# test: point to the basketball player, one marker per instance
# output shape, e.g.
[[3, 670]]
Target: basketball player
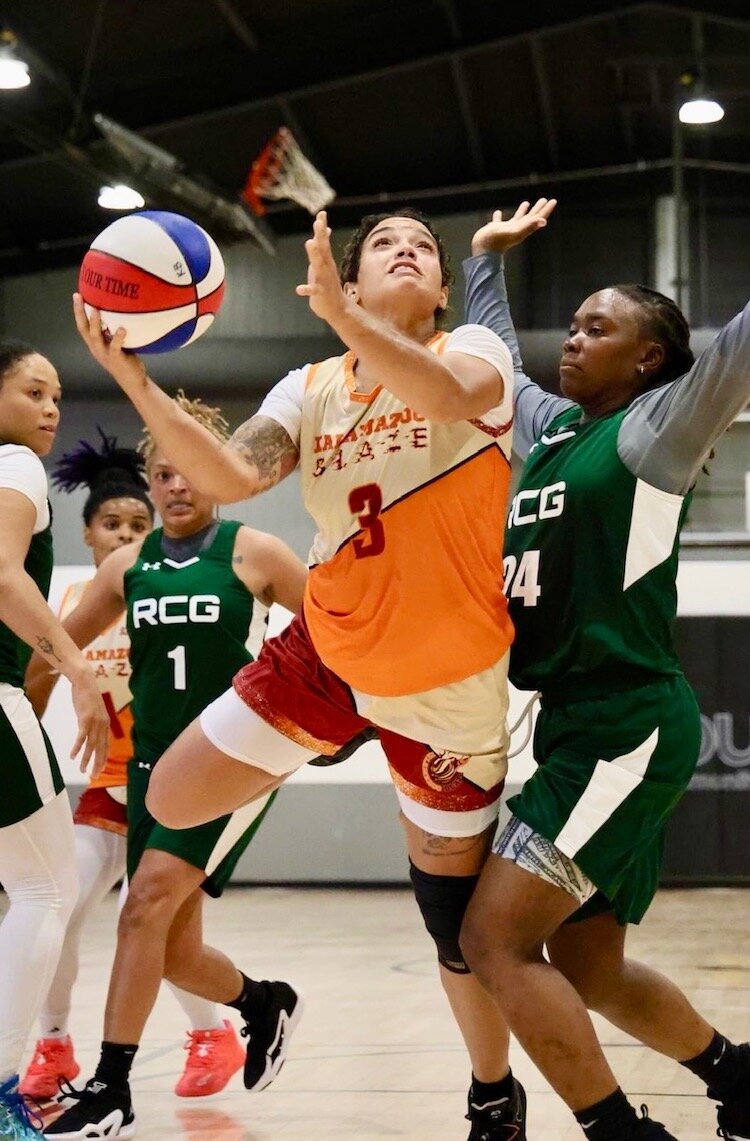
[[403, 445], [117, 511], [591, 553], [37, 853], [189, 593]]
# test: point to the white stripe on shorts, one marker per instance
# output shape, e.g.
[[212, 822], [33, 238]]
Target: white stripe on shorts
[[611, 783], [237, 824], [17, 708]]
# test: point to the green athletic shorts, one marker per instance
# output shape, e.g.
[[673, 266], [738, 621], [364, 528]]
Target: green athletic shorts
[[611, 771], [214, 848]]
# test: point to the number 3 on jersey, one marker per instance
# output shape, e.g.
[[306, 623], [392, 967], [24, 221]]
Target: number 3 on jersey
[[522, 578], [366, 503]]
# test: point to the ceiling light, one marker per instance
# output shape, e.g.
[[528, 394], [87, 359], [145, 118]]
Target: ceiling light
[[14, 72], [701, 110], [120, 197]]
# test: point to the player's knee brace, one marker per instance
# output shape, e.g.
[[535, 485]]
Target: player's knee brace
[[443, 901]]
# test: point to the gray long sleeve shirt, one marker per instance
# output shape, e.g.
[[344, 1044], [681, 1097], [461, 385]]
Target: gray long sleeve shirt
[[668, 432]]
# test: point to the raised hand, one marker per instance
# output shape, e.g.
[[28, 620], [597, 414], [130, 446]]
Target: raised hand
[[323, 289], [498, 236], [126, 368]]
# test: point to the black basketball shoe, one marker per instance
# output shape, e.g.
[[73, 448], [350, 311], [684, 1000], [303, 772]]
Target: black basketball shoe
[[644, 1129], [734, 1111], [268, 1031], [503, 1120], [97, 1110]]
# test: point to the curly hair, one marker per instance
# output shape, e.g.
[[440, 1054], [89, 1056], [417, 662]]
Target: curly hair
[[209, 417], [350, 259]]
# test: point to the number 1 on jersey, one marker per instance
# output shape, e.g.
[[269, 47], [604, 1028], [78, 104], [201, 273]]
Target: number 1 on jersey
[[180, 667]]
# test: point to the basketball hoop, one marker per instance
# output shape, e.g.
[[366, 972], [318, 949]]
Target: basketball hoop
[[282, 171]]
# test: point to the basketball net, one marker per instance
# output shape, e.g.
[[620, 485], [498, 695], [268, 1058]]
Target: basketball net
[[282, 171]]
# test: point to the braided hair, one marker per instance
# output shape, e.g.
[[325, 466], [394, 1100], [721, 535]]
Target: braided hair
[[111, 472], [664, 321]]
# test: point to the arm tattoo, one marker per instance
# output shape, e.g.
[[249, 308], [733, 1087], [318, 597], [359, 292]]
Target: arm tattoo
[[45, 647], [265, 445]]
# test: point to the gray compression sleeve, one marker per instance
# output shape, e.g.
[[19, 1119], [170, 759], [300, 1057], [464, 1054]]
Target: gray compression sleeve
[[668, 433], [487, 304]]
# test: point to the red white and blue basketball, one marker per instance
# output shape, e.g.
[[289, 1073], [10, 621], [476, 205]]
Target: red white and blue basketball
[[157, 275]]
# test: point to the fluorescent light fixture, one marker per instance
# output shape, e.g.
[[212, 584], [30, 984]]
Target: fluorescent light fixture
[[701, 110], [14, 72], [120, 197]]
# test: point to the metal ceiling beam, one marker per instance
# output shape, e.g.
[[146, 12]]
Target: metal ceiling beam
[[239, 25], [473, 140], [624, 115], [550, 179], [463, 53], [545, 99], [451, 15]]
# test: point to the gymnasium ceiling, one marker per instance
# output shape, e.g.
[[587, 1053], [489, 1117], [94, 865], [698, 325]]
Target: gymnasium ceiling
[[451, 104]]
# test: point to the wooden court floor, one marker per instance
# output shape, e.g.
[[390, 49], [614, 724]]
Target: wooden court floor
[[376, 1054]]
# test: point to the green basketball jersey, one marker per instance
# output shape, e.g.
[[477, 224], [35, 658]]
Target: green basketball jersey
[[14, 653], [188, 623], [590, 565]]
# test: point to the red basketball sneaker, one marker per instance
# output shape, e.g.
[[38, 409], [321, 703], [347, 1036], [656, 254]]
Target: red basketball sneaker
[[53, 1060], [213, 1057]]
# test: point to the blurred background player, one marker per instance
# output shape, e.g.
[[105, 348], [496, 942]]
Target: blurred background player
[[116, 512], [188, 590], [37, 851]]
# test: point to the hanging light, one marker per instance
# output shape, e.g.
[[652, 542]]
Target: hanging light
[[700, 110], [14, 72], [697, 107], [120, 197]]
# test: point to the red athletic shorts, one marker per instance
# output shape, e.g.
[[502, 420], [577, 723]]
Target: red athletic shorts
[[97, 808], [294, 692]]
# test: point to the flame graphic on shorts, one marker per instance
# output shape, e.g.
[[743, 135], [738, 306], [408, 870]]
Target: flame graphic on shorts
[[440, 769]]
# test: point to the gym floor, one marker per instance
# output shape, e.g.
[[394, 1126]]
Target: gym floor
[[376, 1054]]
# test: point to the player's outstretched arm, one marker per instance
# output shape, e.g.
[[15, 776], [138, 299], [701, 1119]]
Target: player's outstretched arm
[[498, 236], [445, 389], [101, 605], [226, 474], [24, 610]]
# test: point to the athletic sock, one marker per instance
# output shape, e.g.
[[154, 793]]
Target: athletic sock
[[252, 996], [720, 1066], [114, 1064], [610, 1119], [483, 1093]]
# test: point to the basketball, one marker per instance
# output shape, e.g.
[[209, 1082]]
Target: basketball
[[157, 275]]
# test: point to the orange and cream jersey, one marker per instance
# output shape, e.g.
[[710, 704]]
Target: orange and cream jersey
[[405, 593], [108, 657]]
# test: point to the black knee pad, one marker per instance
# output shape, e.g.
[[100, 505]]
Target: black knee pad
[[443, 901]]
